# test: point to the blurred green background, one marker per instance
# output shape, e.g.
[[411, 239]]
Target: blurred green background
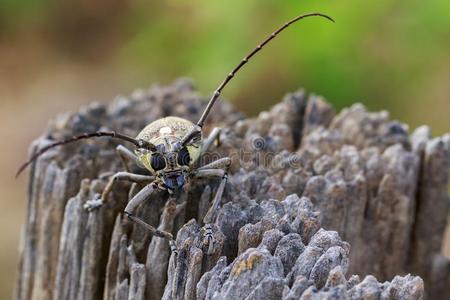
[[57, 55]]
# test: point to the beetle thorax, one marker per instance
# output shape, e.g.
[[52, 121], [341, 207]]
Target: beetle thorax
[[174, 127]]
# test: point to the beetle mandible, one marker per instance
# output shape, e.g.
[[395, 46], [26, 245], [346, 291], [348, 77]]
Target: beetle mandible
[[169, 148]]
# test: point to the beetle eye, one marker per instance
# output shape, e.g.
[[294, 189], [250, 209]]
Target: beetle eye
[[157, 161], [183, 158]]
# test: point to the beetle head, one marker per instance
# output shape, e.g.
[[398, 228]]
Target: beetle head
[[169, 162]]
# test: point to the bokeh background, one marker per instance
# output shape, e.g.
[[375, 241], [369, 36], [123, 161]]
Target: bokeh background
[[57, 55]]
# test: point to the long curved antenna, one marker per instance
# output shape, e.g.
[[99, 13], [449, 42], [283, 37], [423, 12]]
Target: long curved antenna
[[219, 89], [111, 134]]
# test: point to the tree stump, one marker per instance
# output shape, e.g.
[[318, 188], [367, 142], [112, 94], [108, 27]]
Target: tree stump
[[304, 185]]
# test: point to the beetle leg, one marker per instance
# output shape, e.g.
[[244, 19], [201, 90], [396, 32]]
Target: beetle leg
[[125, 156], [135, 202], [211, 215], [134, 189], [213, 136], [99, 201], [221, 164]]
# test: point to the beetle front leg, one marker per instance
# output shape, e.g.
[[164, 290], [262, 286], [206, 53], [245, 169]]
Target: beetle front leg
[[99, 201], [140, 197]]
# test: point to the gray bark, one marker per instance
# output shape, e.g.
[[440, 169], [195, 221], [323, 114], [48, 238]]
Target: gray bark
[[304, 185]]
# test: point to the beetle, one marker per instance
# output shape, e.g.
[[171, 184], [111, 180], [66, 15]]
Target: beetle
[[169, 149]]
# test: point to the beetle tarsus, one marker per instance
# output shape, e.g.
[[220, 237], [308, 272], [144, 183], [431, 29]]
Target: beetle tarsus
[[93, 204], [208, 238]]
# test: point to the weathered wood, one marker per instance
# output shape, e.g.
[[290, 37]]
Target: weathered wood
[[303, 180]]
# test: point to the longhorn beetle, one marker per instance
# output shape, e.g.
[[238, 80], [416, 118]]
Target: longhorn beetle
[[169, 148]]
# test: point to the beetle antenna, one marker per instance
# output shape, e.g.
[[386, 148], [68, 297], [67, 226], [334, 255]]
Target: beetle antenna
[[219, 89], [138, 143]]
